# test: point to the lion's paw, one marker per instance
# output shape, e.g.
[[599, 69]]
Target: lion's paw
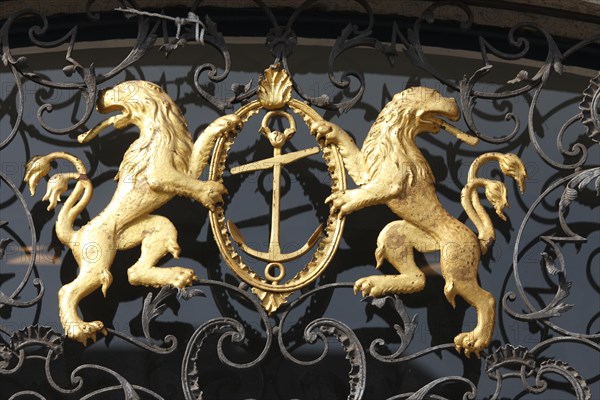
[[324, 130], [181, 277], [345, 203], [229, 124], [84, 331], [375, 286], [212, 194], [471, 342]]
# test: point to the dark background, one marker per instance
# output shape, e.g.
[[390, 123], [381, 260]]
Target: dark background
[[306, 186]]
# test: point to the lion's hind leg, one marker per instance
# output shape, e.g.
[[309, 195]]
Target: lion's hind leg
[[158, 237], [94, 254], [459, 262], [396, 243], [483, 302]]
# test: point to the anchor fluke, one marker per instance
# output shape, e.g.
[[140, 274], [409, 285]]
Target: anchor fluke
[[274, 254]]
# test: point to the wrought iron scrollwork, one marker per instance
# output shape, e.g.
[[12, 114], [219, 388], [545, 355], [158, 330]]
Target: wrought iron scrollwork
[[11, 299], [506, 364], [555, 265], [51, 345]]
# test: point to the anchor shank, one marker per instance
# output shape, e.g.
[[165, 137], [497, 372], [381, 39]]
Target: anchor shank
[[274, 248]]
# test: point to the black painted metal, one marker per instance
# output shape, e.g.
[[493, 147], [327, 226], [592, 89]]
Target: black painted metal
[[502, 363]]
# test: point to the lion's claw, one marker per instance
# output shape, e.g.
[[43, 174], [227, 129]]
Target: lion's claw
[[182, 277], [336, 202], [471, 343], [84, 331], [324, 130], [343, 203], [363, 285], [373, 286], [212, 195], [230, 124]]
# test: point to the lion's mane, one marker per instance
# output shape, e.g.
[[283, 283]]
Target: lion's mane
[[391, 139], [167, 129]]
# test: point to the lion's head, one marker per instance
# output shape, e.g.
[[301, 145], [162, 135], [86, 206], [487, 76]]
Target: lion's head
[[422, 107], [411, 112], [138, 100], [158, 118]]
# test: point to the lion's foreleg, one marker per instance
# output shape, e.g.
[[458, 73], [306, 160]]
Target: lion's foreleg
[[162, 177], [158, 237], [222, 126], [354, 161], [371, 194]]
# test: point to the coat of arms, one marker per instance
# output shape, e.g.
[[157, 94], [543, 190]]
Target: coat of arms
[[164, 162]]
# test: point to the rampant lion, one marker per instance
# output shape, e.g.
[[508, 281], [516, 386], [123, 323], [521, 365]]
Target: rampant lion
[[162, 163], [391, 170]]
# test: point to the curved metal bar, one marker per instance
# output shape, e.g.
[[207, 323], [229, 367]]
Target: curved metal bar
[[88, 86], [10, 299], [20, 107], [533, 137], [540, 347], [170, 342], [20, 360], [554, 308], [290, 308], [125, 386], [230, 330], [117, 387], [506, 362], [323, 327], [468, 100], [423, 393], [26, 393]]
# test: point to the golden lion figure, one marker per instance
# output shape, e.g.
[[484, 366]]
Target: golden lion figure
[[162, 163], [391, 170]]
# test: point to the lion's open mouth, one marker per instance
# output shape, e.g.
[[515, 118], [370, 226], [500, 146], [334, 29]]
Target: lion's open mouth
[[104, 105], [116, 120], [92, 133], [451, 129], [436, 108]]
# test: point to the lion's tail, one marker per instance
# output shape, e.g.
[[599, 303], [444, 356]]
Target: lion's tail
[[495, 192], [38, 167]]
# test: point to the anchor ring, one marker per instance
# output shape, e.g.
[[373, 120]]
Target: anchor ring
[[277, 139], [269, 271]]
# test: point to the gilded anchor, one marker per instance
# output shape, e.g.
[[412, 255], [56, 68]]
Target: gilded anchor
[[274, 286], [278, 140]]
